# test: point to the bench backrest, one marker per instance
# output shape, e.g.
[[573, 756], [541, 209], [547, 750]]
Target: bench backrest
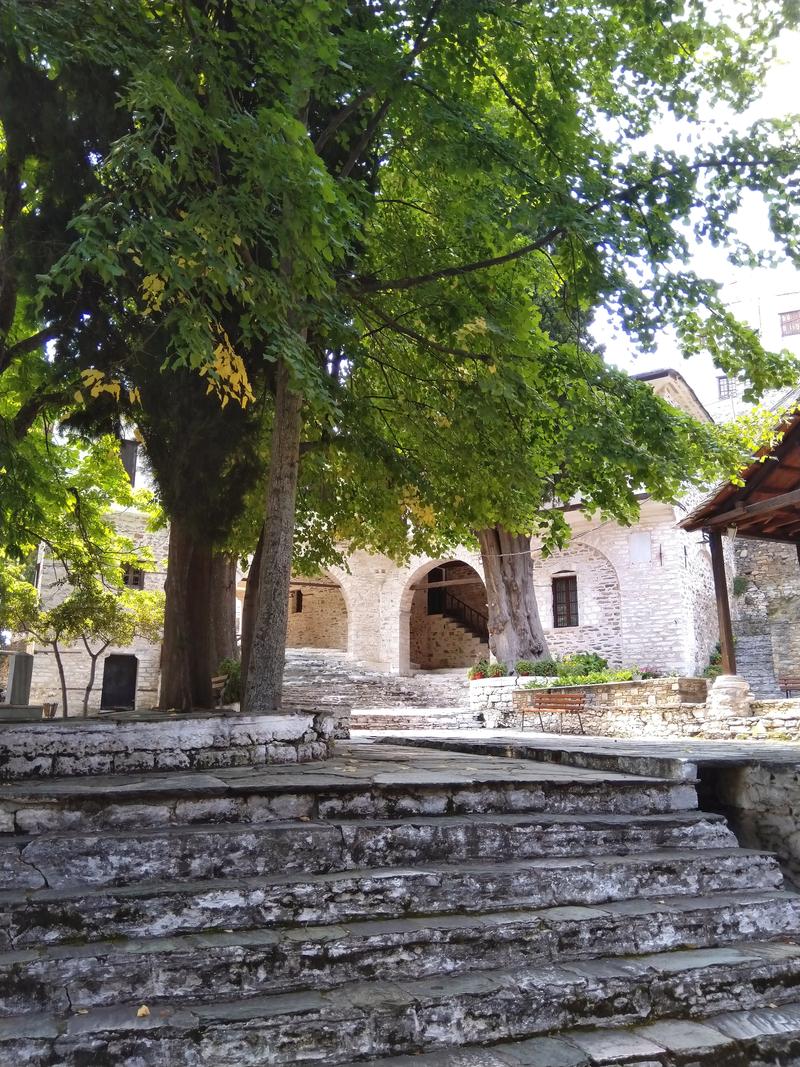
[[557, 701]]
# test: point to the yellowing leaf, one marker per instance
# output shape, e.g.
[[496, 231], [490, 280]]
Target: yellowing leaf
[[143, 1012]]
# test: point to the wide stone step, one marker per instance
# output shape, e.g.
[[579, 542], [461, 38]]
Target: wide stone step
[[82, 912], [366, 1020], [211, 851], [760, 1037], [280, 793], [69, 978]]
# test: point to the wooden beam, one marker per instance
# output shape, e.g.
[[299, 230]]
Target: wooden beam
[[723, 604], [761, 507], [452, 581]]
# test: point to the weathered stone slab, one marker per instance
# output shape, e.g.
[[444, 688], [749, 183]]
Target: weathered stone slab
[[112, 745]]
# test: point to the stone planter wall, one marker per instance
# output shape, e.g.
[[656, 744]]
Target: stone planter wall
[[652, 707], [161, 742]]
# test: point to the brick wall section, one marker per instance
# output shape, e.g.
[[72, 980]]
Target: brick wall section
[[323, 621], [45, 683]]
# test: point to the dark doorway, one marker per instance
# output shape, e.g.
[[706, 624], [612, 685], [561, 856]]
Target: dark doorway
[[436, 596], [119, 682]]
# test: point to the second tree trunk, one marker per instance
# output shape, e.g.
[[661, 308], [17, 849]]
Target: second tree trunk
[[515, 629]]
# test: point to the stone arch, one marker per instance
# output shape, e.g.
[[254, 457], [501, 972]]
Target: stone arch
[[440, 627], [319, 614], [599, 626]]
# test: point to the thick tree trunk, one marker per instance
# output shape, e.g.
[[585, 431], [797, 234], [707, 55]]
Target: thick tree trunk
[[250, 607], [265, 669], [515, 629], [185, 651], [222, 609]]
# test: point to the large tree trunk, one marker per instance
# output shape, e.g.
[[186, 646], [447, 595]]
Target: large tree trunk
[[515, 630], [185, 651], [222, 608], [265, 669], [250, 607]]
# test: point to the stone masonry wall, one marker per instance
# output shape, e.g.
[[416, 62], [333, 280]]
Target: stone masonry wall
[[45, 683], [599, 603], [766, 613], [323, 621], [763, 805], [653, 707]]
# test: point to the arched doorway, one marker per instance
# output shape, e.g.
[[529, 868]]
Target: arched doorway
[[317, 614], [445, 618]]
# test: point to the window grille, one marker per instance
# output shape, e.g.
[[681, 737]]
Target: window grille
[[132, 577], [565, 601], [790, 323]]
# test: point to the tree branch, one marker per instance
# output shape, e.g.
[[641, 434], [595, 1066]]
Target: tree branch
[[375, 285]]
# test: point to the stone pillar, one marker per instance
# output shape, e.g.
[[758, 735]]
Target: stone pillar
[[729, 698]]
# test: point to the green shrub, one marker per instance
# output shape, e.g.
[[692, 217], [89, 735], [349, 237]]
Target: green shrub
[[478, 670], [542, 668], [582, 663], [591, 678], [232, 669], [484, 669]]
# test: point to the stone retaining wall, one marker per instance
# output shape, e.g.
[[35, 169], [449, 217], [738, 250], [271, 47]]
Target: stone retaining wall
[[192, 742], [652, 707], [762, 801]]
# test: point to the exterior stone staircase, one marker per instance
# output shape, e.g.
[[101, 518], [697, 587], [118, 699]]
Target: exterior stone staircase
[[452, 637], [327, 678], [394, 906]]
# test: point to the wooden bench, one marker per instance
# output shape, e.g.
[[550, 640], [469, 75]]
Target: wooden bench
[[789, 684], [560, 701], [218, 683]]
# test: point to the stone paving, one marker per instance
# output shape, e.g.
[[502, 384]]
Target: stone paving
[[576, 751], [396, 905]]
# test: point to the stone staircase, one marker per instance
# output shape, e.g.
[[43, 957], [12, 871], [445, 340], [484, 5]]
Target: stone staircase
[[327, 678], [453, 642], [391, 905]]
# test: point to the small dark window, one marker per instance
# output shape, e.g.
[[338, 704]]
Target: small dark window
[[565, 601], [132, 577], [790, 323], [296, 601]]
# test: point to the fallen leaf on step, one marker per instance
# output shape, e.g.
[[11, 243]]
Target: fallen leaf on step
[[82, 1011], [143, 1012]]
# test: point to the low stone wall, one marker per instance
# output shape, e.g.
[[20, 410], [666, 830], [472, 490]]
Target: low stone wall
[[494, 697], [201, 741], [651, 707]]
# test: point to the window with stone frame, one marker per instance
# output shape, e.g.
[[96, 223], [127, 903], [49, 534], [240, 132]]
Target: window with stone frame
[[790, 323], [296, 602], [565, 600], [132, 577]]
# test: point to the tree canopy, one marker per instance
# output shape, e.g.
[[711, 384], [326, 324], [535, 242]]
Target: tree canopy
[[389, 225]]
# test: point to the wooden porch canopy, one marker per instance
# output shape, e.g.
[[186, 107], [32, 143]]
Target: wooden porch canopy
[[766, 507]]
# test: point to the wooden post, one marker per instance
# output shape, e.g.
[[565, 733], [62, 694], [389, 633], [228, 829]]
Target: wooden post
[[723, 605]]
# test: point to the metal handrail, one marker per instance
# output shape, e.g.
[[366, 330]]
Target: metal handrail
[[476, 620]]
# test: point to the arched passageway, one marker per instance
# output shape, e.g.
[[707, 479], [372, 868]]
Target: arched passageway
[[444, 608], [317, 614]]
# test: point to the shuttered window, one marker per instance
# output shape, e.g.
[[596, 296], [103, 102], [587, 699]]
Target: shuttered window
[[565, 601]]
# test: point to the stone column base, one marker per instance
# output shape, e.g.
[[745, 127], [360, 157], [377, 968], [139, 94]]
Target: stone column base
[[729, 698]]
